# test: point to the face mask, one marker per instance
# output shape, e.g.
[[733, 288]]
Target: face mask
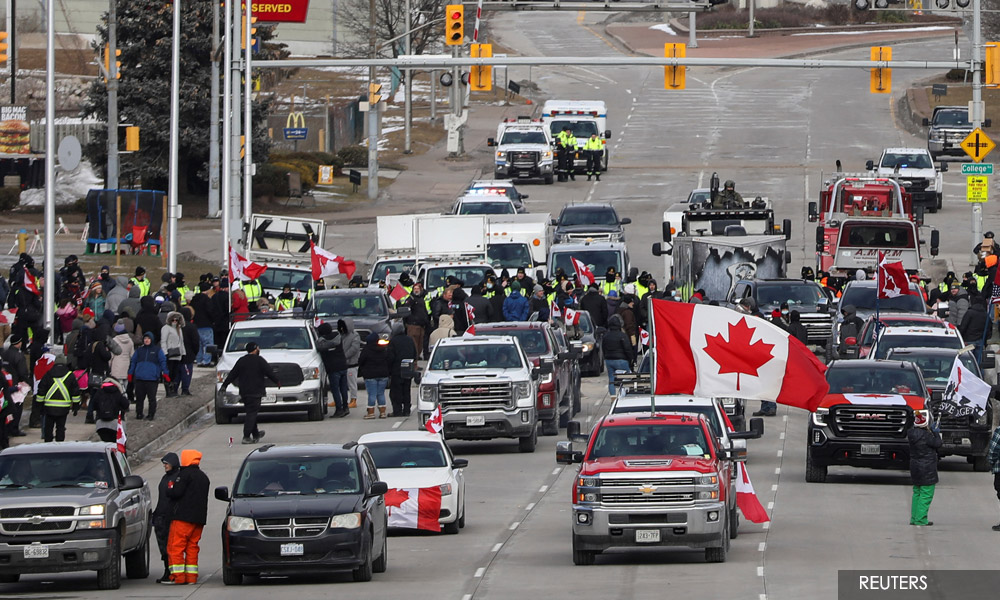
[[489, 286], [784, 312]]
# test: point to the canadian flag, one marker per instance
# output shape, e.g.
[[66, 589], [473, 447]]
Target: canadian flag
[[241, 268], [325, 263], [31, 283], [572, 316], [42, 366], [414, 508], [554, 309], [746, 497], [435, 423], [121, 438], [583, 274], [470, 316], [892, 281], [398, 293], [643, 337], [712, 351]]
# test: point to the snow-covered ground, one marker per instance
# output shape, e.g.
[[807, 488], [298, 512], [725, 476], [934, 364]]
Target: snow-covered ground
[[667, 29], [70, 187]]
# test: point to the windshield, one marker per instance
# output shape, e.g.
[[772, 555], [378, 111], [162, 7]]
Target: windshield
[[792, 294], [298, 475], [588, 216], [650, 440], [509, 256], [697, 197], [858, 235], [597, 261], [958, 118], [581, 129], [888, 342], [407, 454], [485, 208], [475, 356], [936, 368], [907, 161], [523, 137], [707, 411], [586, 324], [49, 470], [384, 267], [275, 278], [270, 338], [469, 276], [871, 380], [869, 329], [349, 305], [533, 341], [863, 298]]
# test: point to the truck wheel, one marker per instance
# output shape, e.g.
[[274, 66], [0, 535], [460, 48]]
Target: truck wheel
[[364, 572], [577, 399], [548, 179], [223, 417], [316, 412], [527, 444], [382, 562], [814, 473], [582, 558], [734, 523], [718, 555], [111, 577], [231, 577], [137, 561], [550, 427], [939, 205], [10, 578], [980, 464]]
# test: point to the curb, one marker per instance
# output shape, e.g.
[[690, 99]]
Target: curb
[[780, 31], [195, 419]]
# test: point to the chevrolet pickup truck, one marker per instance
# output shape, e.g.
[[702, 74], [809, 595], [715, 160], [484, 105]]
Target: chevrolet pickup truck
[[72, 506]]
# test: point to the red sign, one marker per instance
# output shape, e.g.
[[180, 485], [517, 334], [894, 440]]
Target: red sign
[[281, 11]]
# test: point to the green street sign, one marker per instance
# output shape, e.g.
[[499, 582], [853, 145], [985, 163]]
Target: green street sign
[[977, 168]]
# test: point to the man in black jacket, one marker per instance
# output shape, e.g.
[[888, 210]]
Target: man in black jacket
[[401, 347], [331, 349], [973, 324], [189, 494], [419, 319], [924, 444], [480, 305], [163, 514], [618, 351], [60, 393], [250, 371], [17, 368], [595, 304], [204, 319]]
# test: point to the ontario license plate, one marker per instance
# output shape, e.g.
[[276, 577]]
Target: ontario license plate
[[36, 551], [475, 420], [647, 536], [871, 449], [270, 399], [292, 550]]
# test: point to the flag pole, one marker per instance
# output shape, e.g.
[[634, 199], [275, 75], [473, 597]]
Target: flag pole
[[652, 358]]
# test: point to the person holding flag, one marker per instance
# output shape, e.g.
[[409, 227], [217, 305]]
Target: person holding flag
[[924, 441], [326, 263]]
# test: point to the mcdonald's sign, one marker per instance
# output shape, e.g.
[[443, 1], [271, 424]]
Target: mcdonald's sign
[[295, 126]]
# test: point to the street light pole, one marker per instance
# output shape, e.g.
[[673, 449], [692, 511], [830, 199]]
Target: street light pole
[[976, 114], [213, 118], [174, 166], [408, 90], [48, 292], [227, 134], [248, 117], [112, 121]]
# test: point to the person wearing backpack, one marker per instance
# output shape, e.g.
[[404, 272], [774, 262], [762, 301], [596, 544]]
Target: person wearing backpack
[[148, 364], [172, 343], [109, 403]]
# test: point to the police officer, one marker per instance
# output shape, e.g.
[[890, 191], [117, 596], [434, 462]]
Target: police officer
[[728, 197], [594, 150], [60, 393], [567, 148]]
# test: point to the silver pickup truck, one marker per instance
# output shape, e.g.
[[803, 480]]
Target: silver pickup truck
[[72, 506]]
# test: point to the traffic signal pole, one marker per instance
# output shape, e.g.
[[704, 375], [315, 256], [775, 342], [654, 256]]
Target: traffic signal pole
[[372, 110], [976, 115], [248, 117]]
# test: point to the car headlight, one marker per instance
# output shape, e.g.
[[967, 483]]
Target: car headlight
[[94, 509], [547, 155], [981, 419], [238, 524], [445, 489], [588, 346], [221, 375], [348, 521], [708, 480], [819, 417], [522, 389], [707, 495], [310, 373], [500, 154], [936, 136], [427, 393], [588, 482]]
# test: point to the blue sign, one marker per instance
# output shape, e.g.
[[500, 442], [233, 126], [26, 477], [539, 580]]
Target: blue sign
[[296, 133]]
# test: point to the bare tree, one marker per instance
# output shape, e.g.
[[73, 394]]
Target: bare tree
[[390, 23]]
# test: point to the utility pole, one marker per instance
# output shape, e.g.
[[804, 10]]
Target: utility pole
[[112, 183], [174, 165], [408, 89], [12, 47], [976, 114], [692, 30], [213, 118], [248, 116], [48, 292], [750, 28], [227, 136], [372, 111], [236, 128]]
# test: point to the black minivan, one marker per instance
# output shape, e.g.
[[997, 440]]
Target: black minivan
[[301, 509]]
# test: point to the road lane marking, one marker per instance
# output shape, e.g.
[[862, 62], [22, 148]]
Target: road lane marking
[[467, 597], [779, 453], [777, 471], [760, 571], [761, 546], [530, 506], [589, 418], [514, 525], [556, 470], [770, 506], [763, 597], [767, 525], [479, 572], [781, 436], [543, 489], [397, 424], [497, 547], [774, 488], [784, 417]]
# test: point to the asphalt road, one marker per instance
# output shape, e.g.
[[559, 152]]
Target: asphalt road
[[775, 133]]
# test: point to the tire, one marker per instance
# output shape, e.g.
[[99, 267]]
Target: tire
[[223, 417], [577, 399], [550, 427], [364, 571], [451, 528], [315, 413], [111, 577], [10, 578], [137, 561], [718, 555], [734, 523], [548, 180], [980, 464], [814, 473], [461, 519], [940, 203], [527, 444], [382, 562], [231, 577], [582, 558]]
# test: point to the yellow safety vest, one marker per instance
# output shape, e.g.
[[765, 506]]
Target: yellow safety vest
[[286, 304], [65, 399], [980, 282], [183, 290], [640, 290], [143, 285], [593, 144], [254, 290], [608, 286]]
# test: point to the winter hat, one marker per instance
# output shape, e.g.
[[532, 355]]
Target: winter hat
[[119, 326], [515, 287], [537, 288], [612, 294], [920, 419], [88, 314], [15, 339], [250, 347]]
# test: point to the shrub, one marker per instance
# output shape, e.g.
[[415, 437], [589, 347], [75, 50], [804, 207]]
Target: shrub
[[10, 197], [354, 156], [270, 180]]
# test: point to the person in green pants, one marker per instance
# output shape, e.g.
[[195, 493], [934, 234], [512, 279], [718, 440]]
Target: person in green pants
[[924, 441]]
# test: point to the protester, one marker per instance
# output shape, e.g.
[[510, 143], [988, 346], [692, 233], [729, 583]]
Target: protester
[[445, 329], [402, 348], [17, 367], [924, 441], [164, 511], [147, 365], [619, 353], [204, 318], [192, 342], [109, 404], [60, 394], [250, 371], [516, 307], [375, 366], [331, 348], [172, 343], [352, 352], [993, 455], [189, 494]]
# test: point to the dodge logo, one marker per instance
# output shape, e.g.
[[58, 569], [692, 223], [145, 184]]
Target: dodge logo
[[869, 417], [475, 390]]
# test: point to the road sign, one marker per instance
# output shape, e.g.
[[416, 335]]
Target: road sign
[[977, 145], [977, 188], [296, 133], [977, 168]]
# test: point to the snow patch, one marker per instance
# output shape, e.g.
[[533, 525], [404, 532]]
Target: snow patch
[[70, 187], [667, 29]]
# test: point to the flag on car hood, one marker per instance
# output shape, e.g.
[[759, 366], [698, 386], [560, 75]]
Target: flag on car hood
[[414, 508]]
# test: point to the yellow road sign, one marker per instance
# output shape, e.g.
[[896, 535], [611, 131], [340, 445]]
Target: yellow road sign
[[977, 188], [977, 145]]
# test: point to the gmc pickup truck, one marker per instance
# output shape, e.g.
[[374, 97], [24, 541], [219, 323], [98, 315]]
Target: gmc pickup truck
[[72, 506]]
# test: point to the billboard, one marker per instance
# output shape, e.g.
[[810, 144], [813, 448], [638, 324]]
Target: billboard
[[15, 132], [281, 11]]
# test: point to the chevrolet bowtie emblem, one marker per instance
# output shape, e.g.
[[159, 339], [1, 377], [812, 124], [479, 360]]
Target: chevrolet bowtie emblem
[[647, 489]]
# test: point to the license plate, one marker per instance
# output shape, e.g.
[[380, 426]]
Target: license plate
[[270, 399], [36, 551], [871, 449], [292, 550], [475, 420], [647, 536]]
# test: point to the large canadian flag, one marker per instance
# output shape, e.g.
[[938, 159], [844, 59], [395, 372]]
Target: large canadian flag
[[584, 275], [241, 268], [325, 263], [891, 279], [572, 316], [713, 351], [414, 508]]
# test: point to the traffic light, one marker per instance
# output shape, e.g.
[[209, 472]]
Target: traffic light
[[952, 4], [374, 97], [107, 62], [243, 33], [3, 47], [454, 24], [993, 64], [881, 79], [481, 77], [673, 77]]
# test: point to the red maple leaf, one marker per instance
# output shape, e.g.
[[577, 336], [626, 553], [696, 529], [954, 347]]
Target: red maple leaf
[[396, 497], [738, 355]]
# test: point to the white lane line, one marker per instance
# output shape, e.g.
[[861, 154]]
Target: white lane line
[[784, 417], [760, 571], [556, 470], [767, 525], [777, 471], [598, 403], [530, 506], [761, 546], [770, 506], [589, 418], [467, 597], [543, 489], [497, 547], [779, 453], [763, 596], [397, 424], [627, 91], [514, 525], [781, 436], [481, 570], [774, 488]]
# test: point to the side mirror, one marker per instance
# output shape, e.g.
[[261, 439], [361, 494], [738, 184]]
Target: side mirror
[[536, 373], [786, 228], [378, 488], [222, 493], [459, 463], [657, 249], [738, 450], [851, 341], [553, 222], [918, 216], [820, 239], [988, 123], [539, 274], [401, 313], [925, 122], [937, 396], [989, 360], [524, 196], [565, 455], [607, 133], [600, 331], [566, 355], [813, 210], [935, 242], [213, 350], [573, 430], [788, 257], [666, 231], [576, 345], [417, 376], [823, 305], [944, 167], [406, 368], [491, 142], [755, 431], [132, 482], [625, 221], [546, 367], [869, 165]]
